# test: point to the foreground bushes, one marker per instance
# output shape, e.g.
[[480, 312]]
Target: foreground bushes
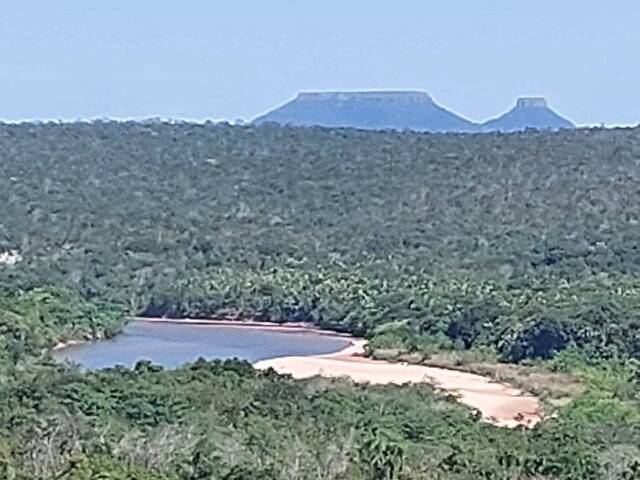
[[226, 420]]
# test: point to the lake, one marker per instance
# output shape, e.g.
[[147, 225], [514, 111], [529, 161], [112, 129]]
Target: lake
[[174, 344]]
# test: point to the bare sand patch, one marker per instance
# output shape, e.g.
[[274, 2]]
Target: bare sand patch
[[554, 388], [10, 258], [499, 404], [68, 343], [238, 322]]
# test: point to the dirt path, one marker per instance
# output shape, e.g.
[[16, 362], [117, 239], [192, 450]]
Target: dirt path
[[499, 404]]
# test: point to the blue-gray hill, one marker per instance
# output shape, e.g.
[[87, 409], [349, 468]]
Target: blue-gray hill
[[529, 112], [399, 110]]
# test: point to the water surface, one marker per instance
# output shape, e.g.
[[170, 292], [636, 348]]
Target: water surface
[[172, 345]]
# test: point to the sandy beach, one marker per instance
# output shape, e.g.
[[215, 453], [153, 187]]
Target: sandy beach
[[68, 343], [499, 404], [289, 327]]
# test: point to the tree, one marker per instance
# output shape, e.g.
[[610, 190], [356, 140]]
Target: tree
[[383, 451]]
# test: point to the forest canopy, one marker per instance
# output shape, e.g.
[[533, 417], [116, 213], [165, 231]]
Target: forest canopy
[[522, 245]]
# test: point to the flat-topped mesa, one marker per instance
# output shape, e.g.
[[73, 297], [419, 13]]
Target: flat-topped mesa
[[373, 110], [399, 96], [535, 102]]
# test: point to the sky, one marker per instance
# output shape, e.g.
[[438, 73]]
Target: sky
[[236, 59]]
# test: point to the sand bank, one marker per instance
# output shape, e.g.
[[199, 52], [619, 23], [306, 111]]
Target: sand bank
[[290, 327], [499, 404]]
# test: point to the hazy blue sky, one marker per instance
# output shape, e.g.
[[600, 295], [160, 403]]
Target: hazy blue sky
[[193, 59]]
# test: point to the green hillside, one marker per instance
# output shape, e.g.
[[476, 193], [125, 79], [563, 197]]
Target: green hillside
[[516, 247], [524, 243]]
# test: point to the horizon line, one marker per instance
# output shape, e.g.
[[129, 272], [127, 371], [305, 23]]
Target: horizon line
[[237, 122]]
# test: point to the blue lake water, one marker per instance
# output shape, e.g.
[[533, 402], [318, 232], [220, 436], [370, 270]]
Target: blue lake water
[[172, 345]]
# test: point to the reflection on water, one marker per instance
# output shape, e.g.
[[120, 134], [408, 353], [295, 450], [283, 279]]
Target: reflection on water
[[172, 345]]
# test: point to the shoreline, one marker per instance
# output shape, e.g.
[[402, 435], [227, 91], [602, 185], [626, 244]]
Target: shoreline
[[288, 327], [68, 343], [499, 403]]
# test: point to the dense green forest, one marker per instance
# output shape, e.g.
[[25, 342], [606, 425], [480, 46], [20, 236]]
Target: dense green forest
[[522, 245]]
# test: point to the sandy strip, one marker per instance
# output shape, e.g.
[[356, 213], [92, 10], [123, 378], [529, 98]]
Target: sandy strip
[[68, 343], [499, 404], [289, 327]]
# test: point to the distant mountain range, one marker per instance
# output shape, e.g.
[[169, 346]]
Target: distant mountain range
[[405, 110]]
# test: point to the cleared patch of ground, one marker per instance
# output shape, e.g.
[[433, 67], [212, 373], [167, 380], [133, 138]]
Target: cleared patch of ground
[[10, 258]]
